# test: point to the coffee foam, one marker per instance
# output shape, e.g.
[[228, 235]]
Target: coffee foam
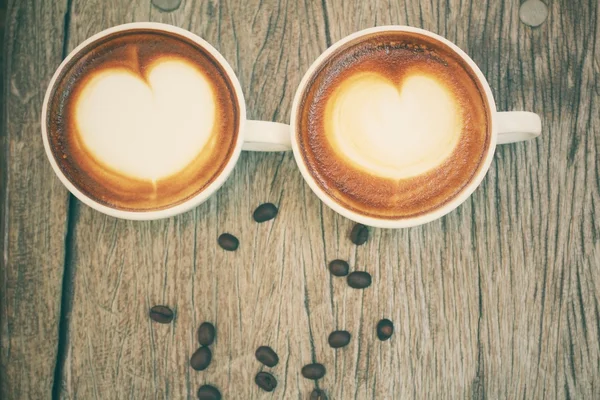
[[167, 115], [390, 129], [143, 120], [393, 125]]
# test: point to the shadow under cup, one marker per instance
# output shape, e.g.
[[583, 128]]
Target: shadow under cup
[[326, 111], [137, 51]]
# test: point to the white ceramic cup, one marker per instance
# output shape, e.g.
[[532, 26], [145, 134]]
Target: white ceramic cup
[[252, 135], [506, 127]]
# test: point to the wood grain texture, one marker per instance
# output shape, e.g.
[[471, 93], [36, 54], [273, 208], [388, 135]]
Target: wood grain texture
[[33, 205], [499, 299], [527, 239], [255, 296]]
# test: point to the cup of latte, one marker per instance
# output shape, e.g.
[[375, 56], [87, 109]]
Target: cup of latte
[[396, 126], [145, 121]]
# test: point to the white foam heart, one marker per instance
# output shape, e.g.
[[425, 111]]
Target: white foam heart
[[147, 129], [394, 131]]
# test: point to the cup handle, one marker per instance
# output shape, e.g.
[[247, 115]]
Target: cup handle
[[516, 126], [267, 136]]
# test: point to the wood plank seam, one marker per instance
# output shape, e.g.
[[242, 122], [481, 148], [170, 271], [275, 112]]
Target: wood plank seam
[[66, 299]]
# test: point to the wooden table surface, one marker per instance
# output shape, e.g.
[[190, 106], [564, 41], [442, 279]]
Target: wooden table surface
[[499, 299]]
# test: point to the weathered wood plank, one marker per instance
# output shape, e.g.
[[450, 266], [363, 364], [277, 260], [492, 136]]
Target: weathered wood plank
[[33, 205], [527, 242], [498, 299], [532, 223], [254, 296]]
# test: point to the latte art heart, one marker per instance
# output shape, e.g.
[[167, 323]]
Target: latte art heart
[[147, 127], [393, 130], [393, 125], [143, 120]]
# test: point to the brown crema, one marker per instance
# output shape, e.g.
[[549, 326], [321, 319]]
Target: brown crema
[[135, 50], [393, 55]]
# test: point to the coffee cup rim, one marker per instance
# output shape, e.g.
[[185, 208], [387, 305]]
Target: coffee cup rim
[[401, 222], [184, 205]]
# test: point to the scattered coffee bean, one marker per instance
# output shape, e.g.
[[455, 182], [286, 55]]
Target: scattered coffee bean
[[339, 267], [313, 371], [339, 339], [200, 360], [385, 329], [359, 234], [208, 392], [161, 314], [206, 333], [266, 381], [228, 242], [359, 280], [265, 212], [267, 356], [318, 394]]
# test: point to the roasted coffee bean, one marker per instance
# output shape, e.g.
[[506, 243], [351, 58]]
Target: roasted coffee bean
[[161, 314], [208, 392], [339, 267], [267, 356], [318, 394], [359, 234], [200, 360], [206, 333], [228, 242], [313, 371], [385, 329], [265, 212], [339, 339], [266, 381], [359, 280]]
